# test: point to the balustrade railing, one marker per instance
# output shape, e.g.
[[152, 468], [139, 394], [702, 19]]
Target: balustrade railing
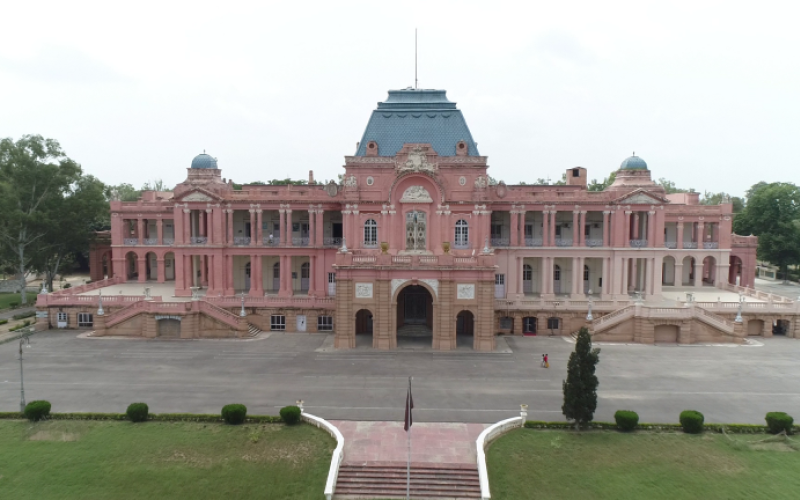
[[131, 241], [270, 242], [403, 260], [461, 245], [428, 260], [300, 241], [560, 242], [533, 242], [500, 242], [331, 242], [689, 245], [169, 241], [151, 241], [594, 243], [638, 243], [241, 240], [671, 244], [463, 261], [711, 245], [198, 240], [370, 244], [364, 259]]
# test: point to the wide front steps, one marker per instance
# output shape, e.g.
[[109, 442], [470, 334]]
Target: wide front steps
[[414, 331], [428, 481]]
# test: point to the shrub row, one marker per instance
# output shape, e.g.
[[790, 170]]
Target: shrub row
[[22, 325], [3, 321], [24, 315], [692, 422]]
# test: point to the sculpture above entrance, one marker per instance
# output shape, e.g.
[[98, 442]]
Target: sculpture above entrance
[[417, 162], [416, 194]]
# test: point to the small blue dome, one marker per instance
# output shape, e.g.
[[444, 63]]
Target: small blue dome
[[204, 161], [633, 163]]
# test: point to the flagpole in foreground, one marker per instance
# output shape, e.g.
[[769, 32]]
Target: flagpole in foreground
[[409, 421]]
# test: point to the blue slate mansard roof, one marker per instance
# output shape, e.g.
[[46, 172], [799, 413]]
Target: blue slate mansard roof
[[417, 116]]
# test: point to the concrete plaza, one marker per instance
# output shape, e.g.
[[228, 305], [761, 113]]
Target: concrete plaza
[[726, 383]]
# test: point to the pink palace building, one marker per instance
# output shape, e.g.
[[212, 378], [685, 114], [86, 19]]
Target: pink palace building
[[415, 242]]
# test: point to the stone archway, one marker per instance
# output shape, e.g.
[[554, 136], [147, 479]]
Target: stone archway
[[364, 322], [415, 314], [132, 266], [465, 328]]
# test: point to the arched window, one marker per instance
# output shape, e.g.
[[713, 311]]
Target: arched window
[[370, 233], [527, 272], [462, 234], [557, 272]]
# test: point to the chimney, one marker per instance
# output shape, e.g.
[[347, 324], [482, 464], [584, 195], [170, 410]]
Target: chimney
[[311, 177], [576, 176]]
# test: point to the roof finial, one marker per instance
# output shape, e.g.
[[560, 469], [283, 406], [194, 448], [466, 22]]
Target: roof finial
[[634, 153]]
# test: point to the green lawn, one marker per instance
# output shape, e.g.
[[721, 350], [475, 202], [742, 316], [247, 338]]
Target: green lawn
[[154, 460], [8, 298], [541, 464]]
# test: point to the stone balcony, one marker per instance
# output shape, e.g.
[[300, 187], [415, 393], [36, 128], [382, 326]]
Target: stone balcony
[[414, 260]]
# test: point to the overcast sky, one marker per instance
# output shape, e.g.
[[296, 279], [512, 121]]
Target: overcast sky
[[705, 91]]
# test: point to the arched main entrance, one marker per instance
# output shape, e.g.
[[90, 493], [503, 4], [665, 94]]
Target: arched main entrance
[[364, 322], [415, 313], [465, 324]]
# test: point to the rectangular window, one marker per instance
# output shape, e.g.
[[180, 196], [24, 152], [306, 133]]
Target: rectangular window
[[552, 323], [325, 323], [331, 284], [506, 323], [497, 230], [277, 322], [558, 231], [85, 319], [529, 230], [61, 317], [499, 286]]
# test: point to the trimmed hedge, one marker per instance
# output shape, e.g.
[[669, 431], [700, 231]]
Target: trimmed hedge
[[37, 410], [290, 414], [626, 420], [612, 426], [153, 417], [692, 421], [778, 421], [24, 324], [24, 315], [137, 412], [234, 414]]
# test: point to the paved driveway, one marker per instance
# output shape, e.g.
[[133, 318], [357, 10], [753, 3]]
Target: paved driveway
[[728, 384]]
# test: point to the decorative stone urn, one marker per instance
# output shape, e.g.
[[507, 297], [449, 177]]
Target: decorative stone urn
[[446, 246], [384, 247]]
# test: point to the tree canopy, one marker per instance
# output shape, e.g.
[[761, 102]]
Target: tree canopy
[[772, 213], [40, 189], [580, 388]]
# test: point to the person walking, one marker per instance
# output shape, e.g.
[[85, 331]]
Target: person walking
[[546, 361], [543, 361]]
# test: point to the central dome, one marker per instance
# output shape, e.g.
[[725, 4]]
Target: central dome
[[204, 161], [633, 163]]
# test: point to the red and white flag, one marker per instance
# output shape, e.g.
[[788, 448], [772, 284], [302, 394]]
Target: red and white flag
[[409, 407]]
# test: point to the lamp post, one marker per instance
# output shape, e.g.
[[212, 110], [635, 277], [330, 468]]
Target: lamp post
[[23, 341], [299, 403], [589, 316], [242, 313]]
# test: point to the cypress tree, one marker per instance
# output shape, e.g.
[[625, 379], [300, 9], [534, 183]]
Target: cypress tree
[[580, 388]]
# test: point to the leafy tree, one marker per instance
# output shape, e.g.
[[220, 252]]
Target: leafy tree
[[771, 213], [123, 192], [154, 185], [721, 197], [87, 210], [601, 186], [671, 188], [34, 176], [547, 182], [580, 388], [283, 182]]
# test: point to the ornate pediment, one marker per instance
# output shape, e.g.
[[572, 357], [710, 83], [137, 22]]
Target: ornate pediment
[[417, 161], [198, 195], [416, 194], [641, 198]]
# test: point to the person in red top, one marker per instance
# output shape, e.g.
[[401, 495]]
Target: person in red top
[[546, 361]]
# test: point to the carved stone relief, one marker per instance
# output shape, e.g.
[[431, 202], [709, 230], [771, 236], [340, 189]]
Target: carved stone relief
[[640, 199], [416, 194], [417, 162], [197, 197], [331, 188], [350, 181], [433, 283], [465, 292], [363, 290]]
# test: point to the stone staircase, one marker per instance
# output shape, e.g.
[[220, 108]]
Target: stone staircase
[[414, 331], [253, 330], [428, 481]]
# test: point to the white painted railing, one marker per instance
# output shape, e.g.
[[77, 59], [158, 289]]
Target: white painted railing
[[338, 452], [487, 436]]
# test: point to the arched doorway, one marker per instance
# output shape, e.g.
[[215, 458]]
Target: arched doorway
[[364, 322], [108, 271], [735, 271], [131, 265], [151, 263], [780, 327], [668, 272], [169, 266], [709, 270], [687, 276], [465, 325], [414, 312], [666, 334], [529, 325]]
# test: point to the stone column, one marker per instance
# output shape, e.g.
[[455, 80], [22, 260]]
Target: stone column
[[259, 227], [582, 229], [545, 228], [678, 280], [605, 228], [658, 276], [553, 217], [576, 233], [258, 274], [624, 276], [319, 228], [160, 230], [521, 237], [312, 274], [546, 275], [160, 271], [701, 234], [187, 227], [698, 272], [627, 236], [513, 231], [282, 223], [604, 277], [140, 230], [679, 239], [312, 227], [289, 227], [230, 211], [651, 229], [201, 223]]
